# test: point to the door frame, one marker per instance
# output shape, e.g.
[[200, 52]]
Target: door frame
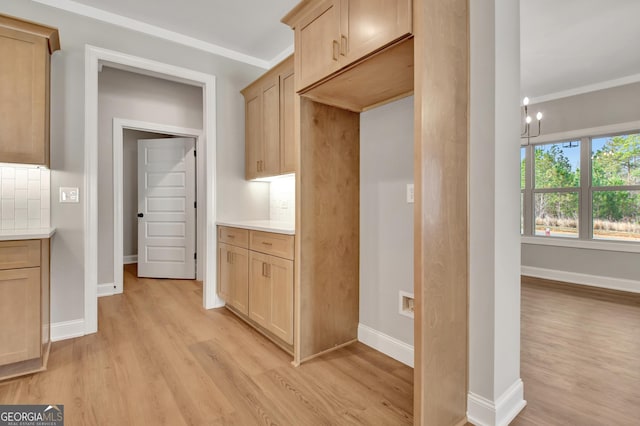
[[119, 126], [95, 57]]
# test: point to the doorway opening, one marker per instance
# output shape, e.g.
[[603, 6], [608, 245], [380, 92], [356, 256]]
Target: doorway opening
[[95, 58], [126, 134]]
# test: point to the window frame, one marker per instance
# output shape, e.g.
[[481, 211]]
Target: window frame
[[585, 190]]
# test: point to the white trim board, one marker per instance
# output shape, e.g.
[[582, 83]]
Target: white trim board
[[390, 346], [119, 126], [582, 279], [67, 330], [107, 289], [630, 79], [153, 30], [93, 57], [128, 260], [484, 412]]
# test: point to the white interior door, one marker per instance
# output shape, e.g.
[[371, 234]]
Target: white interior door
[[166, 208]]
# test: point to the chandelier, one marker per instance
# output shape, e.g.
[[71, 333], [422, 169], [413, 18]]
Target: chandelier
[[527, 122]]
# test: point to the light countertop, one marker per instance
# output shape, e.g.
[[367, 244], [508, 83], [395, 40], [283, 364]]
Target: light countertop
[[261, 225], [26, 234]]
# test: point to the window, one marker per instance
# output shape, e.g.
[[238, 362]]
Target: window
[[583, 189], [615, 192], [556, 189]]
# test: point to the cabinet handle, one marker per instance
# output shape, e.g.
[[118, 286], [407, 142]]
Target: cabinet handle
[[343, 45], [336, 49], [267, 244], [264, 269], [258, 165]]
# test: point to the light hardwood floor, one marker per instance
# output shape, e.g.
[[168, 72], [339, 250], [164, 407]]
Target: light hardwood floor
[[160, 358], [580, 356]]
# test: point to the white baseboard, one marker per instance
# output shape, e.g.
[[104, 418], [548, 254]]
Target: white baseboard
[[108, 289], [127, 260], [483, 412], [67, 330], [388, 345], [583, 279]]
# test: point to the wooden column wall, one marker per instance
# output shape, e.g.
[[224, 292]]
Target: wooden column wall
[[328, 226], [441, 227]]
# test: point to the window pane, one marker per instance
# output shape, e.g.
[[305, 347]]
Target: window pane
[[522, 167], [616, 160], [557, 214], [521, 213], [557, 165], [616, 215]]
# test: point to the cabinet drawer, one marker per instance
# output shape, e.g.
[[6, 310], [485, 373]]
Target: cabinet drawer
[[279, 245], [234, 236], [19, 254]]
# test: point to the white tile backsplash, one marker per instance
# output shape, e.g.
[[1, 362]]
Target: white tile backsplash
[[25, 198], [282, 199]]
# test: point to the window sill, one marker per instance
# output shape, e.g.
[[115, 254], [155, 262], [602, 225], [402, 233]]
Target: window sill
[[628, 247]]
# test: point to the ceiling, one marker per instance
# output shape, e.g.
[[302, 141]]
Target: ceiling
[[565, 44], [568, 44], [250, 27]]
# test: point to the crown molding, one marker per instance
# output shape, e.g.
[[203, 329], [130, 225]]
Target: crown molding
[[281, 56], [152, 30], [630, 79]]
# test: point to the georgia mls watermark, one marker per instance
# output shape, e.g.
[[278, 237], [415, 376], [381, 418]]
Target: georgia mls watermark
[[31, 415]]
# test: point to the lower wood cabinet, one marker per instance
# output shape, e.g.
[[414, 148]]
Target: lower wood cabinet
[[257, 281], [271, 294], [24, 307], [233, 265]]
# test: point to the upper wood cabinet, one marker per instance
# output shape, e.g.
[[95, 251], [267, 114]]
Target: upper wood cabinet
[[269, 131], [332, 34], [24, 90]]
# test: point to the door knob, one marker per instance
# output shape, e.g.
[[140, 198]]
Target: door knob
[[140, 214]]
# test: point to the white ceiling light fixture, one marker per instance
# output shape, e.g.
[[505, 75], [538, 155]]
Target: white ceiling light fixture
[[526, 129]]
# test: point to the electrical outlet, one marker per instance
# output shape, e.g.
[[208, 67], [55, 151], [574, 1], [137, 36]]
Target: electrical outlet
[[406, 304], [69, 195], [409, 193]]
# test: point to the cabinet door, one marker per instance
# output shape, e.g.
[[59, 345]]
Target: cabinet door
[[287, 127], [253, 134], [270, 165], [24, 98], [240, 279], [20, 326], [368, 25], [280, 273], [259, 289], [318, 44], [225, 272]]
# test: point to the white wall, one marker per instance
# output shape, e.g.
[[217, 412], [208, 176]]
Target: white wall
[[595, 109], [235, 196], [386, 219], [495, 388], [132, 96], [130, 187]]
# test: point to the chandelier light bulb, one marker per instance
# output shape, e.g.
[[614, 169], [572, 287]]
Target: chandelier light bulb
[[539, 116], [525, 101], [528, 119]]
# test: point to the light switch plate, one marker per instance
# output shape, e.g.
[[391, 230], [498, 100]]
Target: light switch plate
[[409, 193], [69, 195]]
